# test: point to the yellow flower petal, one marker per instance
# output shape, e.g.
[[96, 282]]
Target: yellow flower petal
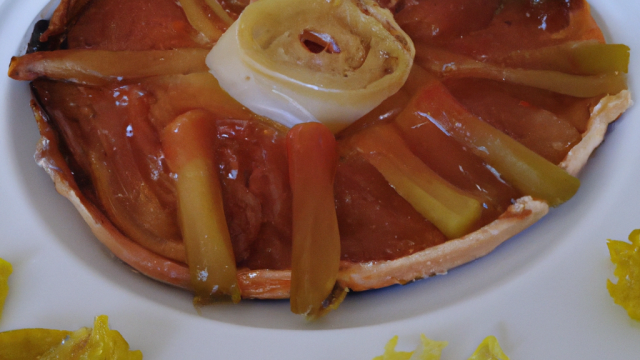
[[489, 349], [99, 343], [427, 350], [626, 257], [5, 270]]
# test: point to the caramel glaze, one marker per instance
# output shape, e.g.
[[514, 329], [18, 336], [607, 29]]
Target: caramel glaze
[[111, 137], [133, 25]]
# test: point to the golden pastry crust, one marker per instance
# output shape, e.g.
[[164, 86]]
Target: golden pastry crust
[[274, 284], [603, 114], [439, 259]]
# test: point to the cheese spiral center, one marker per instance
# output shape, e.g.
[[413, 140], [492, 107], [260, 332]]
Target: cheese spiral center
[[296, 61]]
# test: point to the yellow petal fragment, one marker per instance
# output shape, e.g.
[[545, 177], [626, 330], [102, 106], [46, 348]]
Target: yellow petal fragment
[[489, 349], [626, 257], [5, 270], [390, 352], [28, 344], [101, 343], [427, 350]]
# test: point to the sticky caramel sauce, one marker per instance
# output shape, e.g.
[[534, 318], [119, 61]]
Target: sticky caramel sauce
[[111, 133]]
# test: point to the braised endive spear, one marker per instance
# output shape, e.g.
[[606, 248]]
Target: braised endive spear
[[525, 170], [315, 258], [188, 146]]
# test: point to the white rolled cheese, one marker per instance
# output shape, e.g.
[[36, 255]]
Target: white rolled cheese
[[295, 61]]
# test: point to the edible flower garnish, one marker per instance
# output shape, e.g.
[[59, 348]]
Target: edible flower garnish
[[489, 349], [626, 257], [99, 343], [429, 349], [5, 270]]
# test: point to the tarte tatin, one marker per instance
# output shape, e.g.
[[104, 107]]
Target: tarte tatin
[[109, 76]]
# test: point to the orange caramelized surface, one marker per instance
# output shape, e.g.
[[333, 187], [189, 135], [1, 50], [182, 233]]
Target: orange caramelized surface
[[111, 133], [133, 25]]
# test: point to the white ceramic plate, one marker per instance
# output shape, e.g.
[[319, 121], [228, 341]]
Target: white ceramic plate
[[543, 293]]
